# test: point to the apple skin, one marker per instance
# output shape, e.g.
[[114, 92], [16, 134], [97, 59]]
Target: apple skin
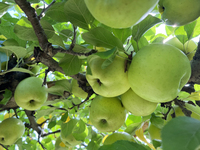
[[11, 129], [120, 13], [30, 94], [174, 12], [189, 48], [137, 105], [111, 81], [154, 132], [158, 72], [112, 138], [107, 114], [78, 91]]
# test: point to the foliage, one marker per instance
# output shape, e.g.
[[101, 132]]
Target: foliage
[[58, 39]]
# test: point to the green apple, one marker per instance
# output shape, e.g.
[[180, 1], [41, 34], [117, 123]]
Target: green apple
[[107, 114], [158, 72], [73, 132], [120, 13], [154, 132], [110, 81], [35, 69], [175, 42], [137, 105], [112, 138], [179, 13], [11, 129], [30, 93], [190, 49], [78, 91]]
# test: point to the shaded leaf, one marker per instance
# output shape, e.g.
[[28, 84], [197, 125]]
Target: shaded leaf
[[6, 97]]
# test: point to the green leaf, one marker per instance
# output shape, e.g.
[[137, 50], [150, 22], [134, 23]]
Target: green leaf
[[6, 97], [57, 12], [197, 87], [181, 133], [108, 61], [59, 87], [24, 30], [3, 8], [139, 29], [68, 127], [123, 145], [17, 50], [139, 44], [78, 14], [56, 40], [122, 34], [64, 117], [17, 70], [189, 28], [52, 122], [102, 37], [157, 121], [44, 112], [93, 145], [106, 54], [70, 64]]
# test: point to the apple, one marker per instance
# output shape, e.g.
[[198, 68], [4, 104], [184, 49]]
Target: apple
[[11, 129], [110, 81], [137, 105], [78, 91], [154, 132], [158, 72], [120, 13], [35, 69], [112, 138], [179, 13], [73, 132], [189, 48], [30, 93], [175, 42], [107, 114]]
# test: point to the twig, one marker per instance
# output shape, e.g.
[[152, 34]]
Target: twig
[[45, 9], [4, 147], [40, 143], [46, 134]]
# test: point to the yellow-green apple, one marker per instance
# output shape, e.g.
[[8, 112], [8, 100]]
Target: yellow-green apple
[[175, 42], [188, 48], [154, 132], [112, 138], [174, 12], [35, 69], [107, 114], [30, 93], [158, 72], [137, 105], [78, 91], [73, 132], [11, 129], [110, 81], [120, 13]]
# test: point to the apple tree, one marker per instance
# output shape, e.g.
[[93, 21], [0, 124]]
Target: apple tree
[[99, 75]]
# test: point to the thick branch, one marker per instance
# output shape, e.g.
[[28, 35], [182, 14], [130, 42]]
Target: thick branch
[[33, 18]]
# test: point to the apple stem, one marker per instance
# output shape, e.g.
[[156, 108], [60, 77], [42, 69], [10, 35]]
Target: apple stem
[[103, 121], [31, 101]]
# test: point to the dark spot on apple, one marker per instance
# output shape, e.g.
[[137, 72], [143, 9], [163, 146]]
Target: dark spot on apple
[[31, 101], [98, 81], [103, 121], [2, 139]]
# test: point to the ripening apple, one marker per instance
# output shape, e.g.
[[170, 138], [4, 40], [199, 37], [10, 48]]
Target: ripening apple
[[137, 105], [112, 138], [120, 13], [11, 129], [158, 72], [174, 12], [30, 93], [107, 114], [110, 81], [78, 91]]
